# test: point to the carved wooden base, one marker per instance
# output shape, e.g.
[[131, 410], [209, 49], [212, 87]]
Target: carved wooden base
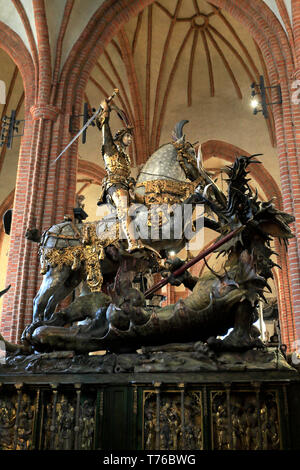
[[209, 410]]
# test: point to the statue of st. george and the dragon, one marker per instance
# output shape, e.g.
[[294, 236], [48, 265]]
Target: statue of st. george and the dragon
[[113, 259]]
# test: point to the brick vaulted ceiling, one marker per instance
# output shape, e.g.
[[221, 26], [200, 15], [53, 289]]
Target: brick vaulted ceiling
[[180, 54]]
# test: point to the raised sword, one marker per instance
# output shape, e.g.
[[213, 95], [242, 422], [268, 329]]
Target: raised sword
[[99, 110]]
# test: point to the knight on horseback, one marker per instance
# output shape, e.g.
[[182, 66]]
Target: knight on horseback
[[117, 184]]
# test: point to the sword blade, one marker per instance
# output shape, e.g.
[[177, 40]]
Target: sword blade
[[79, 133]]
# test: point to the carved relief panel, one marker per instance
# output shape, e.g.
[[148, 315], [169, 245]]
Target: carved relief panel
[[172, 420], [68, 421], [17, 418], [245, 420]]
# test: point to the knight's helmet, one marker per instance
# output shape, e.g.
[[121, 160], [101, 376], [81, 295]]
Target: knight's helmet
[[128, 129], [121, 132]]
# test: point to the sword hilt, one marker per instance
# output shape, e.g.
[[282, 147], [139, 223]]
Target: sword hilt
[[100, 110], [111, 97]]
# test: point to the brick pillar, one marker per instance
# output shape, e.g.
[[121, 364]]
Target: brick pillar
[[44, 193], [295, 174], [296, 34]]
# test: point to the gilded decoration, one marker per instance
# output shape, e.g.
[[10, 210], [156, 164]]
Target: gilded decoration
[[172, 420], [25, 423], [68, 422], [167, 191], [183, 155], [243, 421], [17, 415], [117, 165], [89, 253]]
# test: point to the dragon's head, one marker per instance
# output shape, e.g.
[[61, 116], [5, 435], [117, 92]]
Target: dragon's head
[[251, 249]]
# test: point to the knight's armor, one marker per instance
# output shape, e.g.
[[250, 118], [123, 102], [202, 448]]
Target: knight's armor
[[116, 184], [117, 162]]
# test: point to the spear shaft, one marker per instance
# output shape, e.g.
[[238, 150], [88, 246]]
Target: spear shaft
[[193, 261]]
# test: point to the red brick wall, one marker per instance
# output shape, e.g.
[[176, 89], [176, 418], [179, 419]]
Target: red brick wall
[[44, 192]]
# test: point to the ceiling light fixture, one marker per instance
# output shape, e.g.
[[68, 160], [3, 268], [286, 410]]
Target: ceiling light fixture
[[260, 89], [254, 103]]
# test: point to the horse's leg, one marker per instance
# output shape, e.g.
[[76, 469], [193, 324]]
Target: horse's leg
[[53, 279], [63, 289]]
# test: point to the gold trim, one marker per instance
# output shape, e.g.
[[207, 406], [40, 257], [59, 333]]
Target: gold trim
[[197, 394], [166, 191], [135, 399], [117, 164], [89, 253]]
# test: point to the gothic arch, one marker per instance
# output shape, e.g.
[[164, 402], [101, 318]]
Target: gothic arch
[[91, 170], [11, 43]]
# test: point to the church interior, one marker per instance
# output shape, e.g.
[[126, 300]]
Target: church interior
[[231, 69]]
